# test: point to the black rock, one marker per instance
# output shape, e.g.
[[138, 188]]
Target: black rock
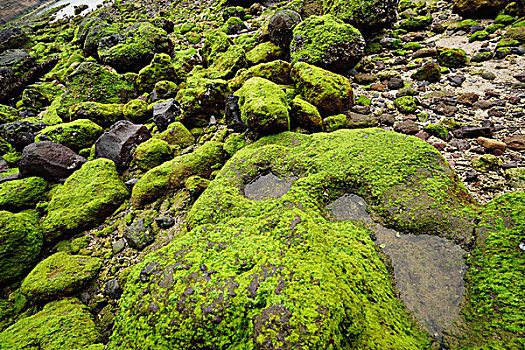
[[281, 26], [472, 132], [120, 141], [396, 84], [112, 289], [233, 113], [471, 175], [12, 38], [138, 235], [165, 113], [21, 133], [52, 161], [456, 80], [165, 222], [517, 51], [475, 28]]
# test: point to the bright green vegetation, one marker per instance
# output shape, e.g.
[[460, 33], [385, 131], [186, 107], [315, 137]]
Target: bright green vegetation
[[430, 72], [59, 275], [159, 69], [406, 104], [177, 135], [494, 313], [245, 273], [305, 115], [21, 239], [152, 153], [173, 174], [437, 130], [78, 134], [264, 52], [263, 106], [227, 63], [275, 71], [86, 198], [23, 193], [8, 114], [331, 93], [416, 23], [452, 58], [63, 324]]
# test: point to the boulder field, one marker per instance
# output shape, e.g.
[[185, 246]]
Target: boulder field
[[168, 174]]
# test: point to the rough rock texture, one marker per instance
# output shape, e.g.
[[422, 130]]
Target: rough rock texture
[[12, 38], [165, 113], [59, 275], [49, 160], [21, 133], [327, 42], [21, 239], [86, 198], [22, 194], [120, 141], [478, 8], [280, 27], [78, 134]]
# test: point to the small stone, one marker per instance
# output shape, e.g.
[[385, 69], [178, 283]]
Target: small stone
[[516, 142], [165, 113], [165, 222], [396, 83], [468, 98], [118, 246], [456, 80], [112, 289], [491, 144], [472, 132], [139, 235], [520, 77], [488, 76], [407, 127], [482, 104], [387, 119], [460, 145]]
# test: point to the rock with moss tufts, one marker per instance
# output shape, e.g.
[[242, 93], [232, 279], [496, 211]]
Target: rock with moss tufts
[[263, 106], [275, 71], [331, 93], [452, 58], [406, 104], [86, 198], [21, 239], [478, 8], [173, 174], [305, 115], [23, 193], [327, 42], [264, 52], [177, 135], [242, 263], [159, 69], [430, 72], [78, 134], [152, 153], [416, 23], [91, 82], [59, 275], [227, 63], [8, 114], [62, 324], [215, 43]]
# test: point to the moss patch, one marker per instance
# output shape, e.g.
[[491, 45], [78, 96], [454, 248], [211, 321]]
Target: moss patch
[[22, 194]]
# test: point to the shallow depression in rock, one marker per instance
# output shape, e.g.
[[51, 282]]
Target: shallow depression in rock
[[429, 270], [267, 186]]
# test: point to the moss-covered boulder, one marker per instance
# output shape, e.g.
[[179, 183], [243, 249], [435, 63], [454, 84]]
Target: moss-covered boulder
[[369, 16], [264, 52], [227, 63], [216, 42], [493, 316], [21, 239], [159, 69], [78, 134], [177, 135], [23, 193], [331, 93], [406, 104], [59, 275], [263, 105], [247, 271], [275, 71], [327, 42], [63, 324], [86, 198], [452, 58], [305, 115], [8, 114], [173, 174], [91, 82], [152, 153], [135, 47], [478, 8], [415, 23], [430, 72]]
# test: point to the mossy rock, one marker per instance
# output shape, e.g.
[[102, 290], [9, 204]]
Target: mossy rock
[[492, 314], [478, 8], [86, 198], [416, 23], [21, 239], [430, 72], [306, 115], [152, 153], [215, 42], [23, 193], [263, 53], [63, 324], [177, 134], [8, 114], [452, 58], [327, 42], [91, 82], [246, 270], [160, 68], [263, 106], [331, 93], [173, 174], [227, 63], [233, 25], [78, 134], [513, 37], [275, 71], [59, 275], [105, 114], [138, 45], [406, 104]]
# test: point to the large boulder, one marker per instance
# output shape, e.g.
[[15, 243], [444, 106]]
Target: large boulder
[[52, 161], [479, 8], [21, 239], [86, 198], [327, 42], [120, 141], [263, 106], [22, 194], [77, 135], [159, 69], [12, 38], [280, 27], [14, 65], [331, 93], [59, 275], [256, 265], [63, 324]]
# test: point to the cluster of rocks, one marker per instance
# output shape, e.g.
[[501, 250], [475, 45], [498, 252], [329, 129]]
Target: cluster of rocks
[[127, 135]]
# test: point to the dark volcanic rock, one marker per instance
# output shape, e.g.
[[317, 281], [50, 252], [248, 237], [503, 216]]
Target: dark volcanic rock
[[281, 26], [233, 113], [120, 141], [472, 132], [112, 289], [165, 113], [139, 235], [12, 38], [52, 161], [21, 133]]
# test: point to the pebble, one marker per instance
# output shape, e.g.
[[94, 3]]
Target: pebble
[[491, 144]]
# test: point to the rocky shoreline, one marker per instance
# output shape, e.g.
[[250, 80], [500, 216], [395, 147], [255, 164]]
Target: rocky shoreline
[[168, 172]]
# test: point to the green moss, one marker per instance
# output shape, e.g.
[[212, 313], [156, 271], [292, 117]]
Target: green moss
[[152, 153], [479, 36], [486, 163], [331, 93], [412, 46], [137, 111], [86, 198], [21, 239], [21, 194], [176, 134], [8, 114], [416, 23], [59, 275], [264, 52], [334, 122], [275, 71], [452, 58], [227, 63], [430, 72], [214, 43], [234, 143], [437, 130], [363, 101], [233, 25], [481, 57], [263, 105], [504, 19], [78, 134], [406, 104], [306, 115], [159, 69], [63, 324], [99, 113], [171, 175]]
